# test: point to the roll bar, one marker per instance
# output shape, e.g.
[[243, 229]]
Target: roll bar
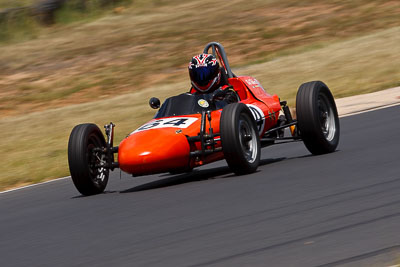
[[219, 51]]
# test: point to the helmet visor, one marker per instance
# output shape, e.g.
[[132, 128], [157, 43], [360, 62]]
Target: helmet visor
[[202, 76]]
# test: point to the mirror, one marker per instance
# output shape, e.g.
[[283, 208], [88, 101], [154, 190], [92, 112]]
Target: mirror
[[154, 102]]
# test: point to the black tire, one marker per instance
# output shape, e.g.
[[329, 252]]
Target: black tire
[[239, 138], [317, 118], [88, 179]]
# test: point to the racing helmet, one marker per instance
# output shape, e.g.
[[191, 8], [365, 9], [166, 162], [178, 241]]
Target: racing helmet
[[204, 72]]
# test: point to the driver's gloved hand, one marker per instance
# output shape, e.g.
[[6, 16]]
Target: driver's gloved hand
[[231, 97], [218, 93]]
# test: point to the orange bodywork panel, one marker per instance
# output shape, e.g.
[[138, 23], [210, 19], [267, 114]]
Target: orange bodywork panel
[[164, 147], [252, 93], [153, 151]]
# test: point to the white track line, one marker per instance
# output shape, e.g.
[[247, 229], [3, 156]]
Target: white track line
[[368, 110], [32, 185], [341, 116]]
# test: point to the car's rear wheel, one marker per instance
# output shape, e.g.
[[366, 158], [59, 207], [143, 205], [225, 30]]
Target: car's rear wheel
[[85, 157], [240, 139], [317, 118]]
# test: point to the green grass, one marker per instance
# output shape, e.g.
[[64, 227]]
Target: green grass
[[18, 27], [73, 12], [15, 3], [105, 67], [24, 24]]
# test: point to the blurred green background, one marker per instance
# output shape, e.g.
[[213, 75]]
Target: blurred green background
[[100, 61]]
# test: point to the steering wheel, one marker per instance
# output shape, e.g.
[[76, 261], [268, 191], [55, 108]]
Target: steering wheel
[[220, 92]]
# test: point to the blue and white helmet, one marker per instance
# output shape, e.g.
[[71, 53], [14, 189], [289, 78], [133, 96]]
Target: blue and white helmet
[[204, 72]]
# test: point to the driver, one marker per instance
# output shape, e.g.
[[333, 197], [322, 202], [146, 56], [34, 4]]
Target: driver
[[206, 77]]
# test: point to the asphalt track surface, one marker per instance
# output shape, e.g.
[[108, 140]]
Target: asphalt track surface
[[340, 209]]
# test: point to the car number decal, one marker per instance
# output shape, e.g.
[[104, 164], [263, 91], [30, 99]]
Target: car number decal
[[174, 122], [259, 117]]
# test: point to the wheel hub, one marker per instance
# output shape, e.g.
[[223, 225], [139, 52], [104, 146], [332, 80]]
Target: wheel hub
[[248, 141], [97, 161], [326, 118]]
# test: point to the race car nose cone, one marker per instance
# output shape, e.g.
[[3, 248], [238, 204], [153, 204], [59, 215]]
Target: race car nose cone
[[153, 151]]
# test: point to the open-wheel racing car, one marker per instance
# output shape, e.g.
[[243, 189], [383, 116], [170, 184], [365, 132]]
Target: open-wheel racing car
[[190, 130]]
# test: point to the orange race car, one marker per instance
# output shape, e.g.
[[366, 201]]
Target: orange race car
[[190, 130]]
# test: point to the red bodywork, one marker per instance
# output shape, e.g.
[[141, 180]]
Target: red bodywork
[[166, 148]]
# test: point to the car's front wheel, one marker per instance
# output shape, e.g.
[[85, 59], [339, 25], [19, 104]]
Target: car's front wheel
[[85, 159], [240, 139]]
